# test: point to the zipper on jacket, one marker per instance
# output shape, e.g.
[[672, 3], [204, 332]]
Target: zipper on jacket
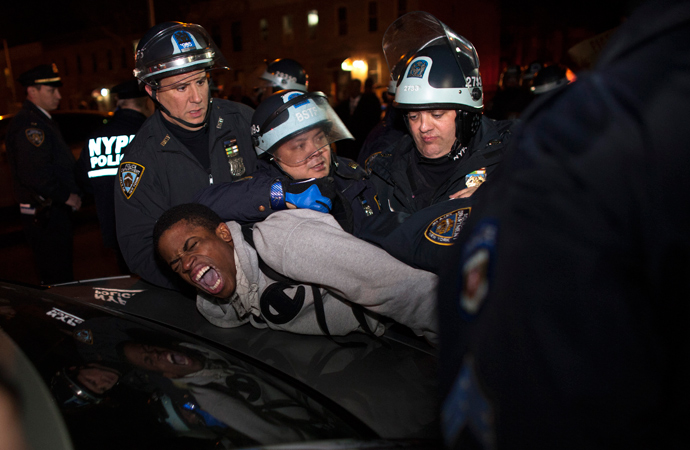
[[210, 177]]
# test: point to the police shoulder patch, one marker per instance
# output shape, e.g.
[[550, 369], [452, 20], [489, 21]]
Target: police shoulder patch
[[129, 175], [35, 135], [444, 230]]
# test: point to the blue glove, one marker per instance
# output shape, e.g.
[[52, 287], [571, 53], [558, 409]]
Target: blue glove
[[306, 194], [310, 199]]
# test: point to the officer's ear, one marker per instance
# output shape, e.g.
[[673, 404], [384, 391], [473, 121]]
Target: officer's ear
[[149, 90], [223, 232]]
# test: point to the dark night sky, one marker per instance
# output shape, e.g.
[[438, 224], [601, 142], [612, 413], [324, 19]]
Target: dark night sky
[[40, 19]]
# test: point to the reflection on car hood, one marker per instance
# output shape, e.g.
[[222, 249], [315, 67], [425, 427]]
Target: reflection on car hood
[[125, 382]]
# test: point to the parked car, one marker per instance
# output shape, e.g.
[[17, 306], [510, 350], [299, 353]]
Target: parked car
[[76, 126], [118, 363]]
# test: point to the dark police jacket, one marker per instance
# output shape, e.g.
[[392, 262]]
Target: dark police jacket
[[247, 201], [98, 163], [159, 172], [389, 167], [41, 161], [565, 317]]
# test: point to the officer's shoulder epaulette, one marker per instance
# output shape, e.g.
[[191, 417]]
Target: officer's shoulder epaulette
[[350, 169]]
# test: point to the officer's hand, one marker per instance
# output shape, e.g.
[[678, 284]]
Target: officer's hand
[[313, 193], [74, 201], [464, 193]]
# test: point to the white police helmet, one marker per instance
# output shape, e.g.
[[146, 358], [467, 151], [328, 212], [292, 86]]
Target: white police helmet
[[287, 114]]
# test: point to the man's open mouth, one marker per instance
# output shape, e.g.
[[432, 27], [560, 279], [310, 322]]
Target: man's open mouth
[[208, 279], [177, 359]]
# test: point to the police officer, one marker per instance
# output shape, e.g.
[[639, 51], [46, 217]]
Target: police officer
[[565, 316], [190, 142], [42, 167], [103, 151], [451, 147], [281, 74], [292, 132]]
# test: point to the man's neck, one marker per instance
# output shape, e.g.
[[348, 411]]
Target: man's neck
[[43, 110]]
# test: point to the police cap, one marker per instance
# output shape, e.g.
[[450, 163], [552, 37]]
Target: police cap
[[45, 74], [128, 89]]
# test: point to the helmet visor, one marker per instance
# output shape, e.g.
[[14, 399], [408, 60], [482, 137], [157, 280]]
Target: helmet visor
[[417, 30], [179, 49], [302, 125]]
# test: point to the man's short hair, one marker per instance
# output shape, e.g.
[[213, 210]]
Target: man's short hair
[[193, 213]]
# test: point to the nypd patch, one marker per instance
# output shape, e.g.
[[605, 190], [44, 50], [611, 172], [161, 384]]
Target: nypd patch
[[417, 69], [130, 175], [444, 230], [35, 135]]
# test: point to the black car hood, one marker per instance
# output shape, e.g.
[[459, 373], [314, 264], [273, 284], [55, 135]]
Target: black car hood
[[218, 388]]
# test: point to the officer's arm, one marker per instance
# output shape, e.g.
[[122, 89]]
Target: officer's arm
[[246, 200], [135, 218], [34, 165]]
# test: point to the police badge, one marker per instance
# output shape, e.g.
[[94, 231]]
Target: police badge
[[84, 336], [475, 178], [130, 175], [235, 161]]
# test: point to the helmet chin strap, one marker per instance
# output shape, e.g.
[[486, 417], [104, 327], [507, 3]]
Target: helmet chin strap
[[177, 119]]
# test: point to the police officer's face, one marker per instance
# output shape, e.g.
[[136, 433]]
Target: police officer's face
[[305, 156], [203, 258], [167, 362], [185, 96], [47, 97], [433, 131]]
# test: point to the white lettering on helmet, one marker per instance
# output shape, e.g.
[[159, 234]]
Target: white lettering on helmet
[[306, 114]]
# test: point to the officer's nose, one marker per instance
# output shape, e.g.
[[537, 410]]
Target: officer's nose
[[197, 93], [57, 94], [425, 122]]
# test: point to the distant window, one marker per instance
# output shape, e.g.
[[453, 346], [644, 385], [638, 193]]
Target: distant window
[[263, 29], [287, 29], [312, 22], [342, 21], [373, 17], [64, 64], [94, 62], [79, 71], [402, 7], [236, 31], [109, 54]]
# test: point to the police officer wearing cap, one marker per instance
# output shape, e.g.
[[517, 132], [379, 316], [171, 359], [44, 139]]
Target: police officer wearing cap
[[97, 166], [42, 167], [451, 147], [189, 143]]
